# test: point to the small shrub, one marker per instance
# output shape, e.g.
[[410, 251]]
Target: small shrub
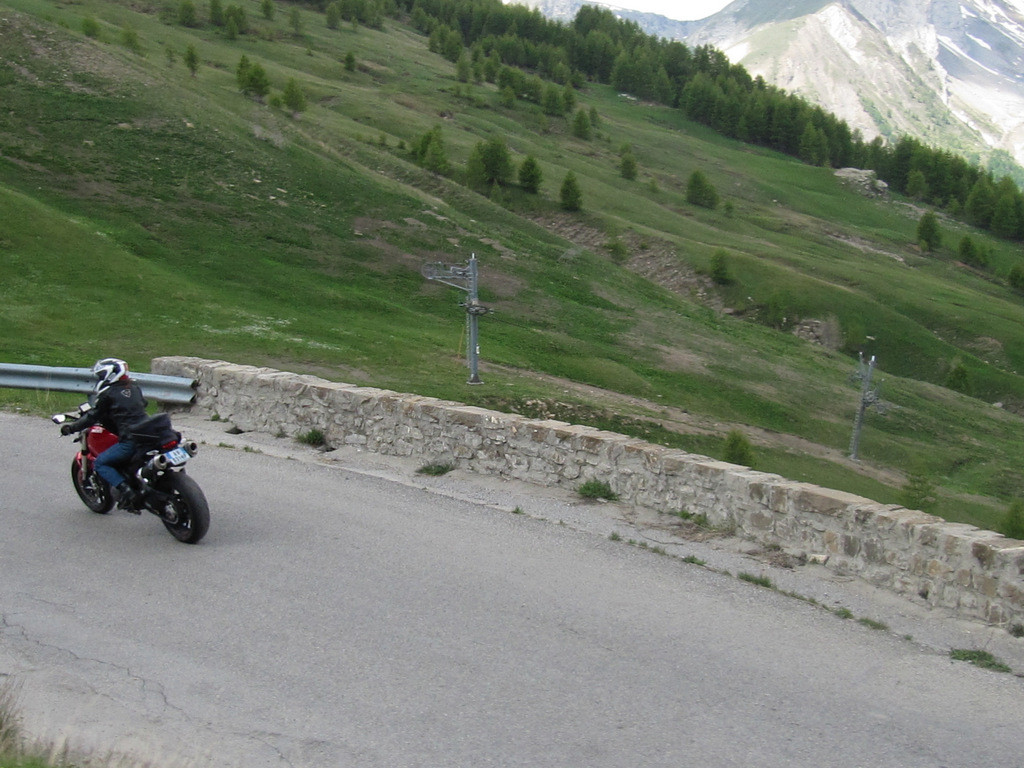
[[613, 536], [982, 659], [738, 449], [843, 613], [918, 493], [597, 489], [435, 470], [91, 27], [694, 560], [314, 437], [720, 268], [1017, 630], [1012, 524]]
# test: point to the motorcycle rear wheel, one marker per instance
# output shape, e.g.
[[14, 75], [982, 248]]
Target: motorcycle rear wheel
[[186, 514], [93, 490]]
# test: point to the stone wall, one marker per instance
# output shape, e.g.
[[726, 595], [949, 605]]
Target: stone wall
[[977, 573]]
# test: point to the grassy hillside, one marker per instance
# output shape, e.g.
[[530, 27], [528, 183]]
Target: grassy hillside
[[147, 211]]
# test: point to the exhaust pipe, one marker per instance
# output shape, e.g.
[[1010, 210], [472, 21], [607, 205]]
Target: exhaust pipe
[[191, 447]]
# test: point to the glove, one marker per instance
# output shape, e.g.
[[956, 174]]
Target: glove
[[66, 429]]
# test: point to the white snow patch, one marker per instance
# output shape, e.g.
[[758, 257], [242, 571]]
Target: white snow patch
[[948, 43], [981, 42]]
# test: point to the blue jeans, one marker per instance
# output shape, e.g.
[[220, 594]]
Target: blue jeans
[[107, 462]]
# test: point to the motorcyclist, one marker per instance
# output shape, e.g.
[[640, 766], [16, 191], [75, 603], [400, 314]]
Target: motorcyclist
[[119, 404]]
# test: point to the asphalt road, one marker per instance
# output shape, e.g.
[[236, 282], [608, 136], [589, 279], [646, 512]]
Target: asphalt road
[[335, 618]]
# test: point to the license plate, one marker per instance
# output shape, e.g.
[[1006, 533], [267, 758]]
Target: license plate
[[176, 456]]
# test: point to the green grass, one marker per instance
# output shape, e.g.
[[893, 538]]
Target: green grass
[[435, 470], [147, 212], [596, 489], [982, 659], [313, 437]]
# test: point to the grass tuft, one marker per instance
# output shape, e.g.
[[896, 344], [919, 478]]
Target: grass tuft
[[597, 489], [761, 581], [982, 659], [435, 470], [314, 437]]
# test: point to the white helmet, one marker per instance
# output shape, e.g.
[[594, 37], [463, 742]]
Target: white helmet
[[107, 371]]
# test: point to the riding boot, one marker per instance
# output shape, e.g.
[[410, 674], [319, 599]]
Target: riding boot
[[126, 497]]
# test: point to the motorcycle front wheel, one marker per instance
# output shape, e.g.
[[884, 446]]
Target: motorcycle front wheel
[[186, 514], [92, 490]]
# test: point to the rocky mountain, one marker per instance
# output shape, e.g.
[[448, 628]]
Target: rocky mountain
[[949, 72]]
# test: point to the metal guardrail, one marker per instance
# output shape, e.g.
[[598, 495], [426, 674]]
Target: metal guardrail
[[163, 389]]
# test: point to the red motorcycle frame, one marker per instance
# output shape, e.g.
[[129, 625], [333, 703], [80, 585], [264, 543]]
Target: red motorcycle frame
[[156, 474]]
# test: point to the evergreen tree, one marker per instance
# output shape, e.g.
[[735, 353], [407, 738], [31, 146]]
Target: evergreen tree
[[928, 234], [569, 100], [295, 20], [552, 102], [267, 9], [627, 166], [969, 253], [242, 72], [917, 185], [699, 191], [252, 79], [720, 273], [570, 195], [431, 153], [530, 175], [187, 16], [192, 60], [1016, 278], [333, 16], [489, 164], [980, 204], [581, 125], [234, 17], [1005, 222], [216, 13], [350, 62], [464, 68], [293, 97]]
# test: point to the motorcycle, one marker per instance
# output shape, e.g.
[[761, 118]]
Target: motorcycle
[[156, 472]]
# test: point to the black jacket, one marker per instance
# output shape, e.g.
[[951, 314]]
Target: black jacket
[[117, 408]]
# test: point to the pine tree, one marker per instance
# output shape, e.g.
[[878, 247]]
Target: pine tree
[[581, 125], [489, 164], [293, 97], [1005, 222], [431, 153], [192, 60], [699, 191], [928, 234], [187, 16], [570, 195], [530, 176], [627, 166], [333, 16]]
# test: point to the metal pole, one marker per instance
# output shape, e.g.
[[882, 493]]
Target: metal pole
[[866, 399], [473, 311]]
